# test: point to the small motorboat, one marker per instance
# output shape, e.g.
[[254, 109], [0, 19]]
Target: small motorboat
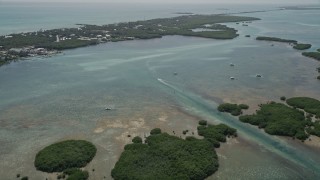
[[232, 78], [231, 64], [258, 76]]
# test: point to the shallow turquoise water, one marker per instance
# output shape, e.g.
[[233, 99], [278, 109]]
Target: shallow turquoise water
[[44, 100]]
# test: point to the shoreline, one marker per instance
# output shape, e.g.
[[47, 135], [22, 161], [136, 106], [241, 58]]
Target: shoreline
[[43, 42], [100, 134]]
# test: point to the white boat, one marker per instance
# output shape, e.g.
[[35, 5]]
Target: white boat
[[108, 108]]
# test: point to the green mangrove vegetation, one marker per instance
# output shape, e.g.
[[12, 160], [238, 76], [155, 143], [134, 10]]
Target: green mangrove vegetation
[[315, 130], [64, 155], [137, 139], [233, 109], [265, 38], [300, 46], [295, 44], [67, 44], [280, 119], [75, 174], [47, 42], [313, 55], [283, 98], [203, 122], [309, 105], [216, 133], [164, 156], [155, 131]]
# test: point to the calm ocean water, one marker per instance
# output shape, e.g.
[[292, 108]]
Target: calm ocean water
[[44, 100]]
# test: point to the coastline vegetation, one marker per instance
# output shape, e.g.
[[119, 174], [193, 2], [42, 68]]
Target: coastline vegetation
[[216, 133], [283, 120], [64, 155], [278, 119], [309, 105], [315, 130], [295, 45], [75, 174], [313, 55], [265, 38], [165, 156], [300, 46], [233, 109], [203, 122], [43, 42], [67, 44]]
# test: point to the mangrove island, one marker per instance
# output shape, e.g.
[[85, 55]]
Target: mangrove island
[[164, 156], [298, 119], [233, 109], [295, 44], [66, 157]]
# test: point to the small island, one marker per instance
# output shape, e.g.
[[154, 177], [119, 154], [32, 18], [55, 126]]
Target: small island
[[298, 120], [265, 38], [296, 45], [233, 109], [164, 156], [66, 157], [300, 46], [49, 42]]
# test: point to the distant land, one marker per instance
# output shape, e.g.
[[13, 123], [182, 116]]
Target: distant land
[[295, 45], [301, 8], [48, 42], [184, 13]]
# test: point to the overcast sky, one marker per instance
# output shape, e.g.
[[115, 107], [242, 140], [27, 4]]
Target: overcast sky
[[180, 1]]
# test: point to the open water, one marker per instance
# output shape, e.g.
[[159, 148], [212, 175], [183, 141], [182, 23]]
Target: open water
[[44, 100]]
